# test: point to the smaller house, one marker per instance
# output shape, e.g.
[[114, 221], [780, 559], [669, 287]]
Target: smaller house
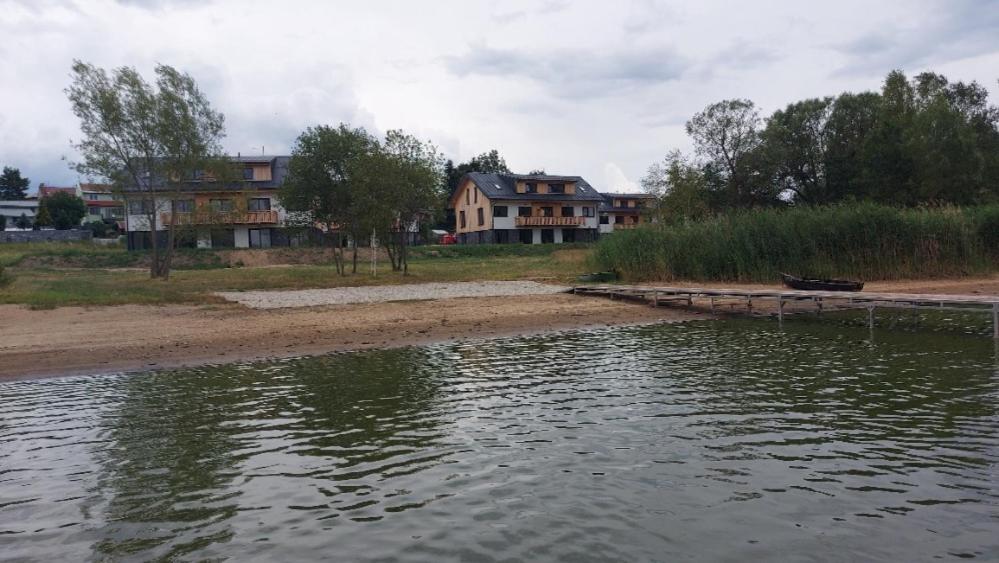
[[102, 204], [625, 211], [14, 209], [524, 208]]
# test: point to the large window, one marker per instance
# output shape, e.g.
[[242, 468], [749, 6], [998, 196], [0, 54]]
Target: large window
[[604, 220], [547, 211], [618, 219], [568, 211], [259, 204], [260, 238], [482, 217], [461, 219], [556, 188], [140, 206], [523, 212], [475, 195], [183, 205], [220, 205], [500, 210], [568, 235], [531, 188], [248, 173], [468, 196], [223, 238], [587, 212]]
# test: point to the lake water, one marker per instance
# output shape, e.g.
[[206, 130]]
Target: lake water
[[706, 441]]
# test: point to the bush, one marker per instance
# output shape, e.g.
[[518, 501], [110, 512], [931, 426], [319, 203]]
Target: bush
[[5, 278], [862, 241]]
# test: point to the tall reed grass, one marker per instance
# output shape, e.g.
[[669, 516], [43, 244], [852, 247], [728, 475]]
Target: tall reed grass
[[860, 241]]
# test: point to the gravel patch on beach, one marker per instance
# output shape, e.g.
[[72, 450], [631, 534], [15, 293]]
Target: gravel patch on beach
[[383, 293]]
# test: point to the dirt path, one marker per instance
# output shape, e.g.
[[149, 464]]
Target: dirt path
[[132, 337]]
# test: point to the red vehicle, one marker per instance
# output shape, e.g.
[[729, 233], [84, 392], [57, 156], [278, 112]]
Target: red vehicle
[[448, 238]]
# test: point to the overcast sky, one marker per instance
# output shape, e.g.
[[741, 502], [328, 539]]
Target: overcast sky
[[595, 88]]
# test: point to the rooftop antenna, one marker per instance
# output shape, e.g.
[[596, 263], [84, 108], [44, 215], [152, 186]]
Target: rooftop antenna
[[261, 150]]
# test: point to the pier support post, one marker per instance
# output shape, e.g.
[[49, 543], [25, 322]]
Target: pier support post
[[870, 316], [712, 305], [995, 320], [780, 311], [655, 299]]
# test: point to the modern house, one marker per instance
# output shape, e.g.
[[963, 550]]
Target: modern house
[[207, 213], [524, 208], [46, 191], [624, 211], [102, 204], [13, 209]]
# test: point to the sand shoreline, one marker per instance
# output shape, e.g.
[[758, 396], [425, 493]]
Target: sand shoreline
[[127, 338], [100, 340]]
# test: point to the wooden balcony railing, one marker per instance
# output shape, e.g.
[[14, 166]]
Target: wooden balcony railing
[[622, 226], [222, 218], [549, 221]]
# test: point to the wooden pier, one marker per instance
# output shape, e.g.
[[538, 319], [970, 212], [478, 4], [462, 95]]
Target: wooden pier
[[838, 299]]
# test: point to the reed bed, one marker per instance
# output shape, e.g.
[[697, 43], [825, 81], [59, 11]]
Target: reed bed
[[860, 241]]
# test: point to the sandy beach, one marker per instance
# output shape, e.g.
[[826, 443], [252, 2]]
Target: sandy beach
[[84, 340]]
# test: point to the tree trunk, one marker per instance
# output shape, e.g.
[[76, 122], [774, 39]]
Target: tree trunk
[[404, 255], [354, 257], [154, 267]]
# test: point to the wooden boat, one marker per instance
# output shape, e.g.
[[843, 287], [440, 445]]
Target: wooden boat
[[811, 284], [598, 277]]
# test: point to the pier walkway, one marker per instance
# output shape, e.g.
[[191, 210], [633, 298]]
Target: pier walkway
[[839, 299]]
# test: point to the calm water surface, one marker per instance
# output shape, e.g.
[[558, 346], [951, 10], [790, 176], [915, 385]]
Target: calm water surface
[[703, 441]]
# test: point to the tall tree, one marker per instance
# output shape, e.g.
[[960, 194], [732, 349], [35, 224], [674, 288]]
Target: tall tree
[[851, 120], [680, 187], [795, 141], [147, 140], [62, 211], [725, 134], [317, 190], [12, 185], [487, 162]]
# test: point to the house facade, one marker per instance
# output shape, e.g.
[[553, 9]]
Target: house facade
[[14, 209], [624, 211], [522, 208], [102, 204], [243, 213]]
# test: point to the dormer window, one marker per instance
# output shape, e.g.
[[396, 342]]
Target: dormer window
[[248, 173], [531, 188], [197, 175], [556, 188]]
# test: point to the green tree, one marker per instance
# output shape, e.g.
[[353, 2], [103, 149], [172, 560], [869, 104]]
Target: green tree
[[850, 122], [725, 134], [317, 190], [42, 217], [22, 222], [12, 185], [680, 187], [61, 210], [487, 162], [3, 223], [794, 142], [146, 140]]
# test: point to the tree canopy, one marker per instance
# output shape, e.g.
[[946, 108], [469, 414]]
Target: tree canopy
[[917, 141], [12, 185], [487, 162], [61, 210]]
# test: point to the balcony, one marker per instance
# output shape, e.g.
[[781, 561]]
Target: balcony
[[222, 218], [550, 221], [623, 226]]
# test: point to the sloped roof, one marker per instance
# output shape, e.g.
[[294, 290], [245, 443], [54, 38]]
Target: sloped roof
[[504, 187], [279, 170]]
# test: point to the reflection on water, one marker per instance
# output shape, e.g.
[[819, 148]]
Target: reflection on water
[[708, 441]]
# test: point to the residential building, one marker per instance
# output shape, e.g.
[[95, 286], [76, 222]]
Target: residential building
[[13, 209], [210, 214], [524, 208], [102, 204], [45, 190], [625, 211]]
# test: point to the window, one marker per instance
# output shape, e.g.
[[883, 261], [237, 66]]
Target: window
[[568, 211], [618, 219], [547, 236], [92, 197], [482, 217], [634, 219], [556, 188], [526, 236], [220, 205], [468, 197], [523, 212], [461, 219], [223, 238], [500, 210], [259, 204], [604, 220], [587, 212], [197, 175], [260, 238], [531, 188], [140, 206], [248, 173], [475, 194], [547, 211], [183, 205], [568, 235]]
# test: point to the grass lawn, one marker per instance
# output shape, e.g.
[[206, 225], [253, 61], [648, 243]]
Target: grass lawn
[[47, 287]]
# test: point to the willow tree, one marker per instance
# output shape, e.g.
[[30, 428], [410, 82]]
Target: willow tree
[[147, 140]]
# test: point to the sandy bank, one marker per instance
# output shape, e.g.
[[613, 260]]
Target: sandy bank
[[133, 337]]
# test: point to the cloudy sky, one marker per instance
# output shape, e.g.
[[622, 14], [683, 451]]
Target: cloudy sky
[[595, 88]]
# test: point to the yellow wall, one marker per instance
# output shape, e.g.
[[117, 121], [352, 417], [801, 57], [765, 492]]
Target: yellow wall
[[465, 200], [570, 187], [261, 172]]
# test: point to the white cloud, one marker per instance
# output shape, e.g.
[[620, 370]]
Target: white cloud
[[587, 87]]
